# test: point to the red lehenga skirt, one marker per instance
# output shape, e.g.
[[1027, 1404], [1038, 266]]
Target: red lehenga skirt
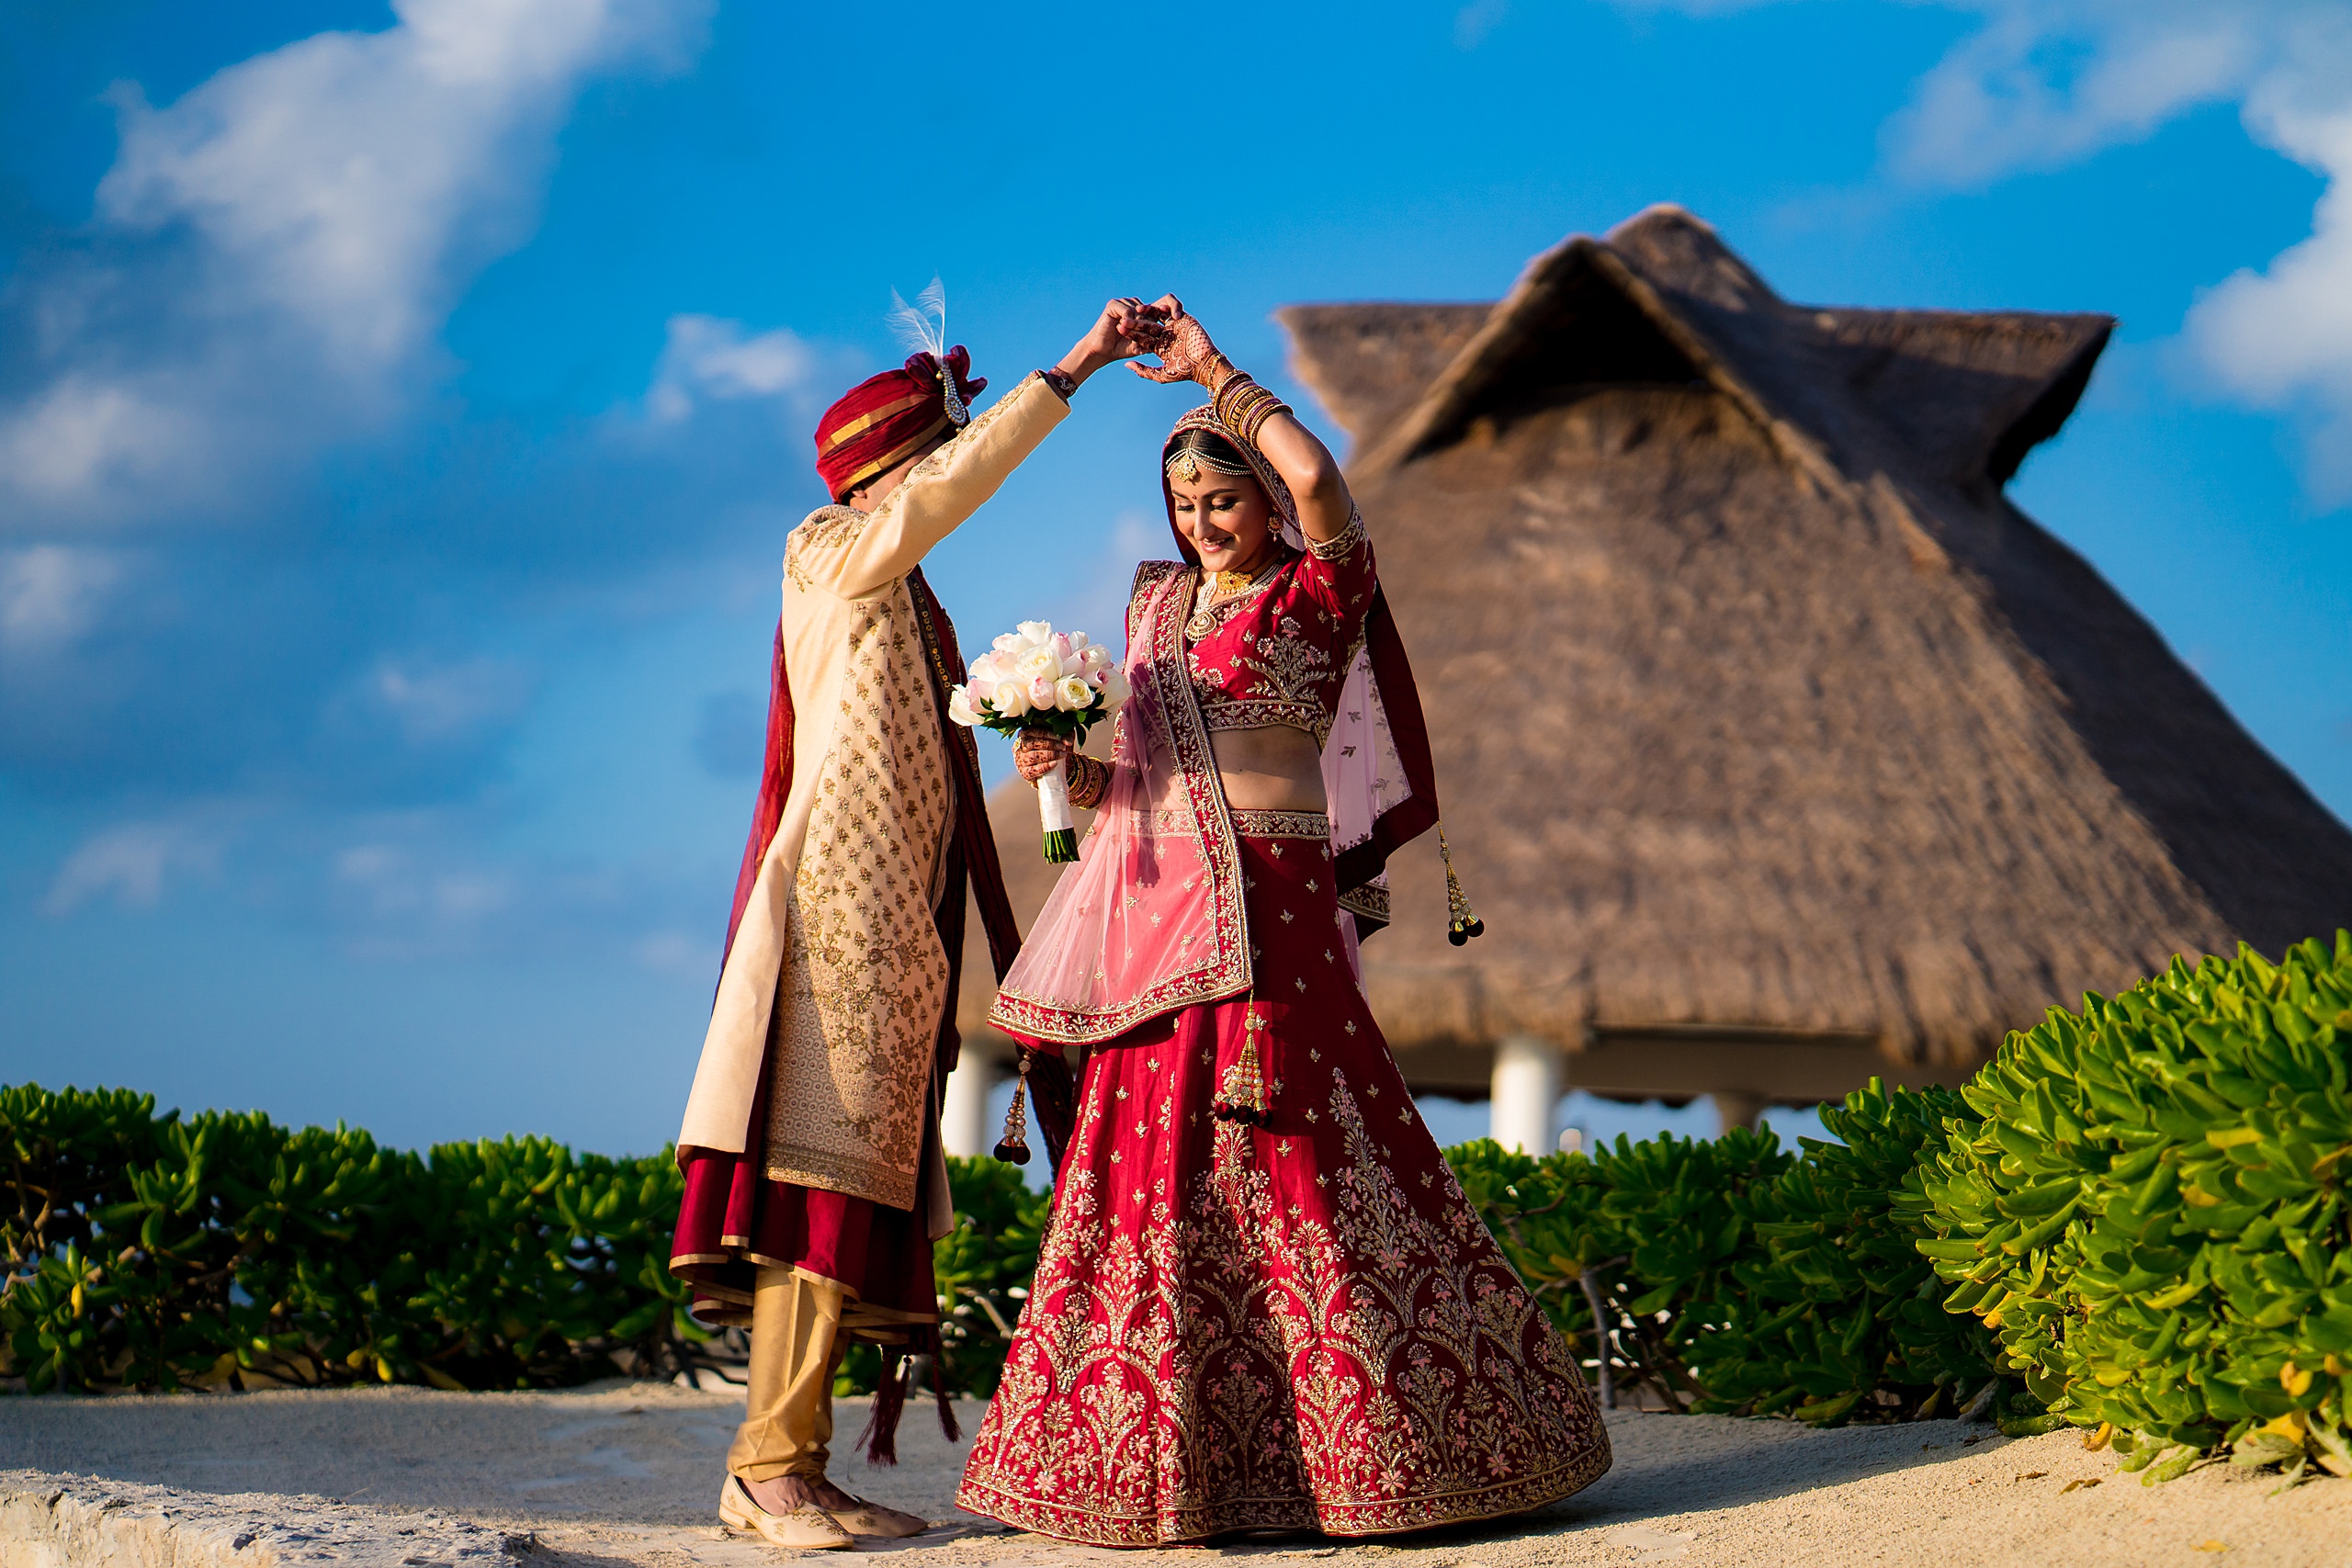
[[1303, 1325]]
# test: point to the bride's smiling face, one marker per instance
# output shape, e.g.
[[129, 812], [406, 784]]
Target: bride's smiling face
[[1225, 518]]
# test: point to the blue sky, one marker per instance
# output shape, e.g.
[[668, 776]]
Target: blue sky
[[400, 424]]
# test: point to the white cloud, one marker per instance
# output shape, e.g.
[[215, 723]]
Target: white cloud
[[435, 703], [286, 240], [51, 593], [397, 880], [2047, 82], [705, 360], [132, 861], [2283, 338]]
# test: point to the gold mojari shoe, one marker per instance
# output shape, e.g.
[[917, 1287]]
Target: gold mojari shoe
[[873, 1519], [805, 1529]]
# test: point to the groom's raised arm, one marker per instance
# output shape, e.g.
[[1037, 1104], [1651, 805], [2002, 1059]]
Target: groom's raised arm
[[941, 492]]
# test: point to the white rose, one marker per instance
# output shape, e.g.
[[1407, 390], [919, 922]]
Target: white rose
[[1011, 699], [1037, 664], [1036, 631], [1092, 658], [1074, 695], [1041, 693], [960, 707], [1010, 642], [1114, 687], [1080, 639]]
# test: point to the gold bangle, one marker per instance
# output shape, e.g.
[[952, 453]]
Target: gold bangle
[[1246, 414], [1089, 781], [1230, 394]]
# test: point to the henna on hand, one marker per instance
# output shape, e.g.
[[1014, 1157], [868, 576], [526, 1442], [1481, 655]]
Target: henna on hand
[[1187, 352], [1035, 754]]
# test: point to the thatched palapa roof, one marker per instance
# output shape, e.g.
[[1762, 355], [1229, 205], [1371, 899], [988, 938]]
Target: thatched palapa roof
[[1760, 713]]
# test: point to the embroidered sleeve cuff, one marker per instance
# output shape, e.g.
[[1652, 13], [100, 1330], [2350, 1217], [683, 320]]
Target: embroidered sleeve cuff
[[1340, 545]]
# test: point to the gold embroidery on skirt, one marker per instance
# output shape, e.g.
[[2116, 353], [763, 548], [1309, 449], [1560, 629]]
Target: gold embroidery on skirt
[[1423, 1386]]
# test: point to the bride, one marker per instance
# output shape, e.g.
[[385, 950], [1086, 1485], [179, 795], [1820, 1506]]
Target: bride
[[1263, 1303]]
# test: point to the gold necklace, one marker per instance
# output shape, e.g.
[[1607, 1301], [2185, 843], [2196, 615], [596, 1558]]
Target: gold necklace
[[1217, 589]]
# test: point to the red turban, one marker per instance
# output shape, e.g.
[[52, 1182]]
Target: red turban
[[886, 419]]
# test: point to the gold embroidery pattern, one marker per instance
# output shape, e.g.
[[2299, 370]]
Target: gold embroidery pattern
[[1256, 824], [827, 528], [1270, 666], [1218, 1359], [1279, 676], [867, 974], [1341, 545], [1370, 901]]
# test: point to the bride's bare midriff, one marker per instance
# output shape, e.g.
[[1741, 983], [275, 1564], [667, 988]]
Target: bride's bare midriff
[[1275, 768]]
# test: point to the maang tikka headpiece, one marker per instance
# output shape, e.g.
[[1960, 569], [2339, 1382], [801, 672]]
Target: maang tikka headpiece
[[922, 326], [1186, 463]]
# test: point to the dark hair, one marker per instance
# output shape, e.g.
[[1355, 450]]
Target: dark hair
[[1215, 449]]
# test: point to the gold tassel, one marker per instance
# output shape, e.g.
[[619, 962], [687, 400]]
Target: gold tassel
[[1241, 1096], [1014, 1147], [1461, 923]]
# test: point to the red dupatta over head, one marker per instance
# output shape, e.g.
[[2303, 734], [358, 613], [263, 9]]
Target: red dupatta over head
[[1151, 919]]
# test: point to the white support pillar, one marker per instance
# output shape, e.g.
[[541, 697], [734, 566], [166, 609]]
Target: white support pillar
[[964, 1119], [1525, 1107], [1736, 1108]]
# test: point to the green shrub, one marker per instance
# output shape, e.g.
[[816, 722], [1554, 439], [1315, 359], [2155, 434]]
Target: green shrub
[[2152, 1211], [1836, 1312], [983, 1268], [1630, 1249], [227, 1250], [144, 1251]]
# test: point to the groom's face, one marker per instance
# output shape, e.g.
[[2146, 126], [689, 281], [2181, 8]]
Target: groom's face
[[1225, 519]]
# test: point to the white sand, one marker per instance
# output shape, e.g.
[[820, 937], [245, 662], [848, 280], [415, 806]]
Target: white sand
[[621, 1474]]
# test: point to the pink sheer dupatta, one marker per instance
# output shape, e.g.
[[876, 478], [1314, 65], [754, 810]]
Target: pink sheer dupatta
[[1149, 919]]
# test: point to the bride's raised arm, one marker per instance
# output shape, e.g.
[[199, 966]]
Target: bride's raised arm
[[1186, 354]]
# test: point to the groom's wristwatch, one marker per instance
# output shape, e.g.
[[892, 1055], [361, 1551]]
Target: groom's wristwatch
[[1065, 386]]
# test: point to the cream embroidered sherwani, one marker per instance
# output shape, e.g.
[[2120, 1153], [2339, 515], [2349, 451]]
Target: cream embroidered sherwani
[[837, 960]]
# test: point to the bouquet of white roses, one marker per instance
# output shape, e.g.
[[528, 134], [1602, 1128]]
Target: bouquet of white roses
[[1037, 678]]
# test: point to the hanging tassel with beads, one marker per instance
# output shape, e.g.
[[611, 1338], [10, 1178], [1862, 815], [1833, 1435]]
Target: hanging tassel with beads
[[1461, 923], [1241, 1095], [1014, 1147]]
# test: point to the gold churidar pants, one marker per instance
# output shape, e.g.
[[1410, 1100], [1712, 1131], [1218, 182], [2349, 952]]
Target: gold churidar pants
[[797, 1345]]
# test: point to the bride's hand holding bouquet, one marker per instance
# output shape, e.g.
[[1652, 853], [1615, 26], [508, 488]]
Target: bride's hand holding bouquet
[[1049, 688]]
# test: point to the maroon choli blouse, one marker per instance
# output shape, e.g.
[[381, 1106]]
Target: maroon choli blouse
[[1278, 653]]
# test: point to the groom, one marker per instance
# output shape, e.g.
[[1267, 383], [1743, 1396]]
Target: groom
[[815, 1183]]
